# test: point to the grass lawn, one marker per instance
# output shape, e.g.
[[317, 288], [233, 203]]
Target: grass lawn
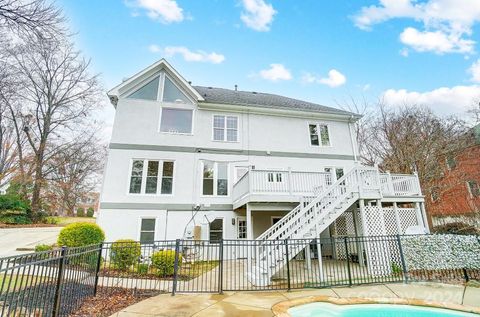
[[193, 270], [63, 221], [7, 282]]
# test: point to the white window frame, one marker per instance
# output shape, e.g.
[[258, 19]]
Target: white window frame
[[155, 231], [179, 107], [318, 124], [242, 218], [225, 116], [144, 177], [215, 179]]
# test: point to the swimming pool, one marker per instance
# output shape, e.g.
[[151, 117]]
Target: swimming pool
[[372, 310]]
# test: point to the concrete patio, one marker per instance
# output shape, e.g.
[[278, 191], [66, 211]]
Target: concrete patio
[[260, 303]]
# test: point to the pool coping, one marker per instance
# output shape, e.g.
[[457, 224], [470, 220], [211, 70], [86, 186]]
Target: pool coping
[[281, 309]]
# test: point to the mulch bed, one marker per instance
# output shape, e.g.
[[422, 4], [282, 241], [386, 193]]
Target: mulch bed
[[110, 300]]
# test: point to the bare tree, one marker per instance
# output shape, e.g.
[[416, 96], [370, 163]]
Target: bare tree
[[58, 98], [74, 173], [30, 17]]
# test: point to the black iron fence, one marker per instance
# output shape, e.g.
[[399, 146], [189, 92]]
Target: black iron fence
[[49, 283], [54, 283]]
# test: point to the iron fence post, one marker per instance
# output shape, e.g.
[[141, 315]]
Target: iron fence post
[[97, 269], [348, 262], [175, 266], [402, 259], [57, 295], [288, 264], [220, 269]]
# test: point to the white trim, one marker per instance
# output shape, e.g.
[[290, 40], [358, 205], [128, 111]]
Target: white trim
[[153, 69], [318, 124], [238, 219], [168, 106], [215, 179], [144, 177], [225, 116], [155, 229]]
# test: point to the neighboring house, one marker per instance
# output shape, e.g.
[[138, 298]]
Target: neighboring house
[[89, 200], [456, 197], [209, 163]]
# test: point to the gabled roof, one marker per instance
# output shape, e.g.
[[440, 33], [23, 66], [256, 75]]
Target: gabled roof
[[162, 64], [263, 100]]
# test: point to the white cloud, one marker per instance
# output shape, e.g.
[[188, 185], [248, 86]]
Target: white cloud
[[188, 55], [165, 11], [437, 41], [474, 70], [447, 23], [334, 79], [443, 100], [257, 14], [276, 72]]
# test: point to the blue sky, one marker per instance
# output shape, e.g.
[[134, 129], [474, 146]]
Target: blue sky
[[423, 52]]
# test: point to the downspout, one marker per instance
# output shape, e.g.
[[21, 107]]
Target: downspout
[[352, 140]]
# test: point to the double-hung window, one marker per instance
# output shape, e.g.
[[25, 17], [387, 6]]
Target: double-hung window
[[225, 128], [147, 230], [151, 177], [319, 134], [215, 179]]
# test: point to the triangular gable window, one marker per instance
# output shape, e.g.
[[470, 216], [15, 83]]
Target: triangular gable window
[[172, 94], [147, 92]]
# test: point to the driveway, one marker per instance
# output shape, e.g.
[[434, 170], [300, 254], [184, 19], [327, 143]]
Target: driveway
[[13, 238]]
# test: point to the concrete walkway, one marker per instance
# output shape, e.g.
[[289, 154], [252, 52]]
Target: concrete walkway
[[234, 304], [13, 238]]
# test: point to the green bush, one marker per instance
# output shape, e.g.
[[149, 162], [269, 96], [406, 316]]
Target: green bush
[[125, 253], [43, 247], [90, 212], [14, 210], [80, 234], [164, 262], [51, 220], [142, 268], [80, 212]]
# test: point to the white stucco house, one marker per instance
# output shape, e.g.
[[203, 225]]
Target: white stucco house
[[193, 162]]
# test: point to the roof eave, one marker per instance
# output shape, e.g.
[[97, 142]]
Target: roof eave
[[351, 117]]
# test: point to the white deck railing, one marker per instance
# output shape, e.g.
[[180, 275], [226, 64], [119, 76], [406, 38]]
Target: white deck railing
[[297, 183], [400, 184], [281, 182]]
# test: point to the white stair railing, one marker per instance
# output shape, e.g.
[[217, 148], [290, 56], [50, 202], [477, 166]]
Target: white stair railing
[[307, 220]]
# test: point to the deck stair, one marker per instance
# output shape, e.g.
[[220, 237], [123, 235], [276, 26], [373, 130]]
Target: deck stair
[[308, 220]]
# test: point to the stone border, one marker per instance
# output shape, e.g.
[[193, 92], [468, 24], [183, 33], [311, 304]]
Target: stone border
[[281, 309]]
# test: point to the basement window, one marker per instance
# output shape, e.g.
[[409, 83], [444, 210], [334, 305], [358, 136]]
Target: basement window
[[147, 230]]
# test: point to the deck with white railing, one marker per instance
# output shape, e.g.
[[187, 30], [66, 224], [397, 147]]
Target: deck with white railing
[[290, 186]]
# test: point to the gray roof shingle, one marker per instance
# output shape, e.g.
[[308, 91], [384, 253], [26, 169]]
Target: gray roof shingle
[[262, 100]]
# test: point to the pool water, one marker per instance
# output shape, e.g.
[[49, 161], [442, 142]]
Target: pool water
[[371, 310]]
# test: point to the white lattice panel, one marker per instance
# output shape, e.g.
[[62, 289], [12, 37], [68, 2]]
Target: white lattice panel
[[377, 254], [408, 218], [390, 219]]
